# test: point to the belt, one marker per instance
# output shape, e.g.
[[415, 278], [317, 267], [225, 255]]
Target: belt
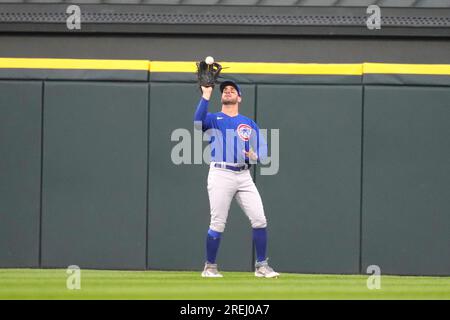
[[233, 168]]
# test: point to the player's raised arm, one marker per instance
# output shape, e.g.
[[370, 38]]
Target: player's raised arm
[[201, 113]]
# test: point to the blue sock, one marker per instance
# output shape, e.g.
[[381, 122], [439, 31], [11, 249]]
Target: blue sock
[[260, 241], [212, 245]]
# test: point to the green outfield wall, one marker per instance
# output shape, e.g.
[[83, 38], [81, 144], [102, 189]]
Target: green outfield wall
[[87, 176]]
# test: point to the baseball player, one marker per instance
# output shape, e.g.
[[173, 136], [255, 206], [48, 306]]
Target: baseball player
[[236, 144]]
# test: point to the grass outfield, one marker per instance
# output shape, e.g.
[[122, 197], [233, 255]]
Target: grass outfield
[[163, 285]]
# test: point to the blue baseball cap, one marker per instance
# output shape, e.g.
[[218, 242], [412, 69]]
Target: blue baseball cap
[[230, 83]]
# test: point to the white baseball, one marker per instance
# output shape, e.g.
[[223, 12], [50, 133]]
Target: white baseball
[[209, 60]]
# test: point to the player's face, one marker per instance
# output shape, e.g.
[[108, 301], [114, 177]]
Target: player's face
[[230, 96]]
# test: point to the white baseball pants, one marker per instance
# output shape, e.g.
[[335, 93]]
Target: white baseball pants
[[223, 186]]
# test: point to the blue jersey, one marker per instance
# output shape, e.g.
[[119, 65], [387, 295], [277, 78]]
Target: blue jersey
[[230, 136]]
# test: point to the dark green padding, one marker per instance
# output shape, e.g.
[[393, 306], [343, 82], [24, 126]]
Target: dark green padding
[[313, 202], [407, 79], [178, 199], [95, 175], [252, 78], [20, 171], [406, 198], [75, 74]]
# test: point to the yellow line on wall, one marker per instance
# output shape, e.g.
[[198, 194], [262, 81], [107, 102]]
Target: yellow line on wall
[[172, 66], [97, 64], [356, 69], [391, 68], [262, 68]]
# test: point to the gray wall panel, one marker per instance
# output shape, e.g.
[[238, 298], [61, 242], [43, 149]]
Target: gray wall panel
[[95, 175], [178, 199], [166, 47], [406, 199], [313, 203], [20, 173]]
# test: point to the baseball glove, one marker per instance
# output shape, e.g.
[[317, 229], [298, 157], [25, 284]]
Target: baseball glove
[[207, 74]]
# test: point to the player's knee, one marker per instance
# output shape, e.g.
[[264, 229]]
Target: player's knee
[[217, 226], [259, 223]]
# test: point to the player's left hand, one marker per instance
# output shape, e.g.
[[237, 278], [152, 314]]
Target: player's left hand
[[251, 155]]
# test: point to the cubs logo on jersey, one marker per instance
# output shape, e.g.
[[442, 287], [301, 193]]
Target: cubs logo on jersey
[[244, 131]]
